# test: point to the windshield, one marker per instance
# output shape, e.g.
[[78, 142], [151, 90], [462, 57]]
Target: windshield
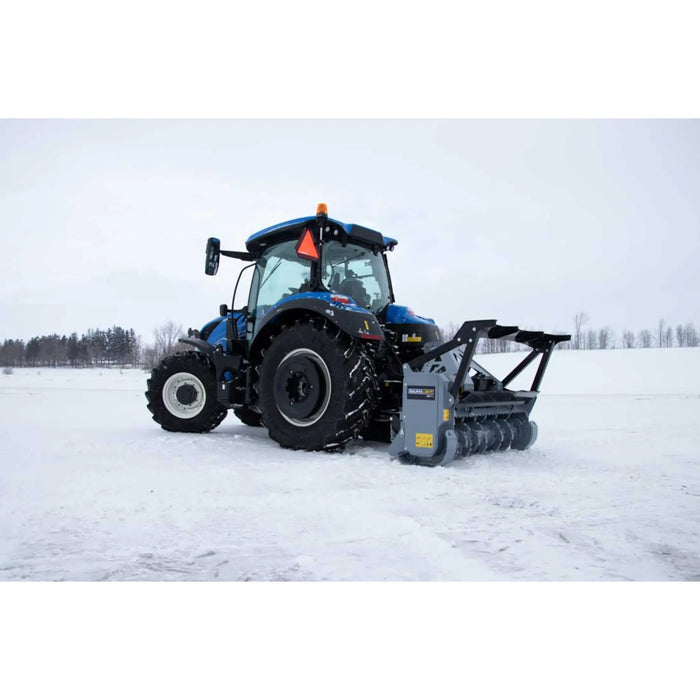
[[357, 272], [281, 273]]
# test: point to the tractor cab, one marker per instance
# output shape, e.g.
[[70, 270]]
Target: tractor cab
[[320, 259], [305, 262], [324, 266], [279, 274], [350, 270]]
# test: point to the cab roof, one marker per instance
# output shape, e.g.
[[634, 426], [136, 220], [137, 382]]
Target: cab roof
[[295, 227]]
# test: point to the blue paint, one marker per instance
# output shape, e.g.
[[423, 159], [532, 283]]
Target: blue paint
[[387, 241], [297, 222], [218, 335], [322, 296], [402, 314], [276, 227]]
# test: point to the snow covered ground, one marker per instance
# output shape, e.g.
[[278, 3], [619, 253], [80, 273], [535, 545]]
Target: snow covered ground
[[92, 489]]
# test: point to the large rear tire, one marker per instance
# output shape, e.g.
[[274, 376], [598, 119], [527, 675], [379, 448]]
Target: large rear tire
[[182, 394], [377, 430], [317, 386]]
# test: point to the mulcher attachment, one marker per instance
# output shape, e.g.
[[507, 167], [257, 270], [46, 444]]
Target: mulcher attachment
[[446, 413]]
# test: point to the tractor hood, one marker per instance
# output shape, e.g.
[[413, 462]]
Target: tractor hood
[[402, 314]]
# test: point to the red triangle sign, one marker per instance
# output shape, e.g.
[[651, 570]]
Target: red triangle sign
[[306, 247]]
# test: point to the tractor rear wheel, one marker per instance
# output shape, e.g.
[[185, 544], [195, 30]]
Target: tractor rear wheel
[[377, 430], [317, 386], [182, 394]]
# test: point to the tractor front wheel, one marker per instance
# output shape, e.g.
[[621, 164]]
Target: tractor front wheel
[[317, 386], [182, 394]]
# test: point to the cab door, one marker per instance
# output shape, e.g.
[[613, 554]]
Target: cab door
[[279, 274]]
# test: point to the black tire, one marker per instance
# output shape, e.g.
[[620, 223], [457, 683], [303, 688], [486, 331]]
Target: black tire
[[248, 416], [377, 431], [182, 384], [317, 386]]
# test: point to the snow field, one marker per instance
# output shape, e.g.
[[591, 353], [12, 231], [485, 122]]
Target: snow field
[[92, 489]]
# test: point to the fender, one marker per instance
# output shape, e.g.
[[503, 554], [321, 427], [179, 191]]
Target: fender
[[201, 345], [341, 311], [217, 328], [222, 360], [230, 371]]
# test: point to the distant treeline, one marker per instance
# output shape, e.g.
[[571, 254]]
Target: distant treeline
[[120, 346], [113, 346], [583, 338]]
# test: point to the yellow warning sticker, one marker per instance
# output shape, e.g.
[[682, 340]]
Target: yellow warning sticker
[[366, 325], [446, 415], [424, 439]]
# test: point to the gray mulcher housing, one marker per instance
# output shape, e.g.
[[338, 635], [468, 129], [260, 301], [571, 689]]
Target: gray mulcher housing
[[445, 413]]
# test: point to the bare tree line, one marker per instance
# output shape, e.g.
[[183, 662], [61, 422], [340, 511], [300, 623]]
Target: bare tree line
[[663, 336], [164, 342], [584, 337], [117, 346]]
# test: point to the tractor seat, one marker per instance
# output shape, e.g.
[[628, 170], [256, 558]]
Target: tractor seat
[[353, 288]]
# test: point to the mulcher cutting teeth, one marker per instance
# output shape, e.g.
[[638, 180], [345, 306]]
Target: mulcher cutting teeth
[[446, 413]]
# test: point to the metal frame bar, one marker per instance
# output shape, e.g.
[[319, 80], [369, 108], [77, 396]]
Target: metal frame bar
[[461, 338], [482, 370], [517, 370], [238, 255], [472, 336], [546, 354], [541, 343]]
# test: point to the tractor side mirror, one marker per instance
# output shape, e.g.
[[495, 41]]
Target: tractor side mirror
[[211, 264]]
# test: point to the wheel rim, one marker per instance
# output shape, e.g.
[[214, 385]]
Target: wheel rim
[[302, 387], [184, 395]]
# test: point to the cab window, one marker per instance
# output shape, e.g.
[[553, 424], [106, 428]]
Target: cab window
[[357, 272], [278, 274]]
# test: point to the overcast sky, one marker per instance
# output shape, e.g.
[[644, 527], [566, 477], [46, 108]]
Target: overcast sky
[[105, 222]]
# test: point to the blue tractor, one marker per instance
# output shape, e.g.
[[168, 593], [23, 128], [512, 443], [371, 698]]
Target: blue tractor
[[322, 354]]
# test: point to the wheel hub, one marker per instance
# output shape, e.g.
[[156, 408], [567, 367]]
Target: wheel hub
[[302, 387], [186, 394], [298, 387]]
